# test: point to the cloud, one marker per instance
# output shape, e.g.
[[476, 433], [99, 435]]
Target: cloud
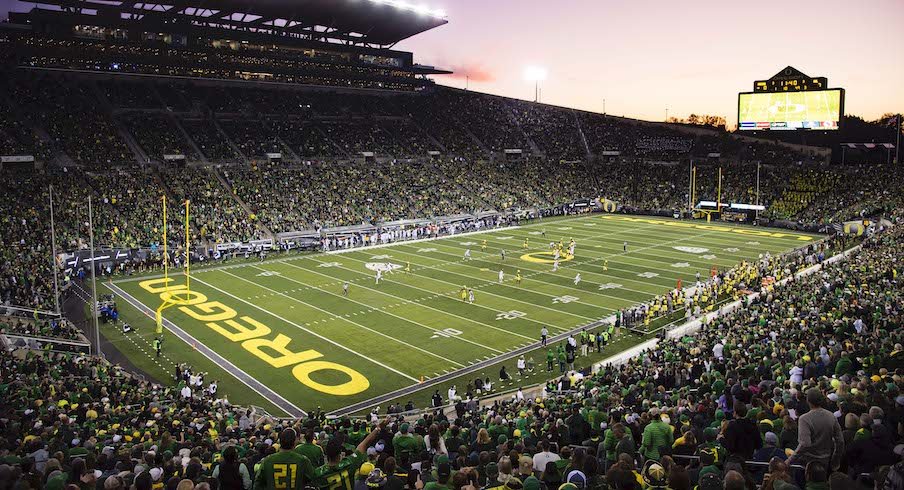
[[475, 71]]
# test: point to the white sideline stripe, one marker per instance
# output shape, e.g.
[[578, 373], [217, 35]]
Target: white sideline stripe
[[336, 315], [214, 357], [422, 240], [413, 302], [142, 277], [301, 327]]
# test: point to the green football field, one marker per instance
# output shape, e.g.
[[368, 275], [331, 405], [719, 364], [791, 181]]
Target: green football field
[[283, 335]]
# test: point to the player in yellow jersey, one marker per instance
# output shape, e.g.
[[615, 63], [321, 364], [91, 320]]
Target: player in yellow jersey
[[483, 246], [408, 267], [605, 265], [463, 294], [518, 277], [526, 243]]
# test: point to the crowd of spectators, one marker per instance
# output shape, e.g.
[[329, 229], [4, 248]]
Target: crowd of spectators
[[215, 215], [800, 388], [158, 134], [53, 327]]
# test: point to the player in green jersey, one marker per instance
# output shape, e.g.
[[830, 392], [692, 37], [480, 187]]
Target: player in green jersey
[[285, 470]]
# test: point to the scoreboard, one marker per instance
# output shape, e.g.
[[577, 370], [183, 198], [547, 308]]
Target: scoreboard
[[791, 100]]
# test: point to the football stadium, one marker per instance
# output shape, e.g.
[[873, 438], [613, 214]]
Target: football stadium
[[297, 245]]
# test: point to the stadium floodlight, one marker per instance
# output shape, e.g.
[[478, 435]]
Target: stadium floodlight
[[420, 9], [535, 74]]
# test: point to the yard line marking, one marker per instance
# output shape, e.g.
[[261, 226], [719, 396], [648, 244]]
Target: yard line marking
[[301, 327], [352, 314], [258, 387], [475, 304], [428, 327], [418, 301], [506, 298], [557, 285]]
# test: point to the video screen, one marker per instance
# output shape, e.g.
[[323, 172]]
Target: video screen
[[815, 110]]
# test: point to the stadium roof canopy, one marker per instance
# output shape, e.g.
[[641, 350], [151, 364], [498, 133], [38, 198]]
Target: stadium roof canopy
[[361, 22]]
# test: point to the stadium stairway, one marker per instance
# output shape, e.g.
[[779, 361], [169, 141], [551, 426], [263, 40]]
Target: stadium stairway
[[188, 138], [534, 148], [474, 137], [228, 141], [240, 202], [137, 151], [288, 150], [577, 123], [427, 135], [326, 136]]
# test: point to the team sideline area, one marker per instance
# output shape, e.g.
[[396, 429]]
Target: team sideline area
[[394, 316]]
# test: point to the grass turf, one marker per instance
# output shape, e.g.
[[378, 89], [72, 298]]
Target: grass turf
[[414, 325]]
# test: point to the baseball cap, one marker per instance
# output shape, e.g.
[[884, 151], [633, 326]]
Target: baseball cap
[[443, 471], [404, 428], [491, 470], [654, 474], [577, 478], [513, 484]]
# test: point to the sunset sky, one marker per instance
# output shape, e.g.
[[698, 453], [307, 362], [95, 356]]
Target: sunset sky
[[642, 56]]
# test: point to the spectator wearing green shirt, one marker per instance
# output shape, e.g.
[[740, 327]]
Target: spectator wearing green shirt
[[285, 470], [339, 473], [656, 434], [407, 443], [310, 449], [443, 474]]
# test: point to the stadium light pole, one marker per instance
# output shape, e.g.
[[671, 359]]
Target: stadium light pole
[[898, 142], [93, 280], [757, 211], [56, 280], [535, 74]]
